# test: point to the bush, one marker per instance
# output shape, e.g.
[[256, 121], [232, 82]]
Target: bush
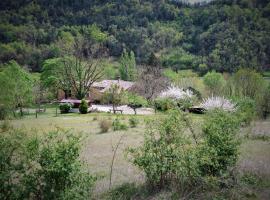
[[246, 109], [65, 107], [176, 93], [83, 108], [175, 97], [42, 168], [264, 103], [105, 125], [117, 125], [213, 103], [219, 133], [170, 157], [135, 101], [249, 83], [133, 122], [164, 104], [185, 104], [214, 82], [167, 155]]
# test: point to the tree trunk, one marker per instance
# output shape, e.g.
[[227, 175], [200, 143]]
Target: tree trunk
[[66, 95], [21, 111], [113, 108]]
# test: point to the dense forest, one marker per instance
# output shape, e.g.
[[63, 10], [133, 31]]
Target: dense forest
[[223, 35]]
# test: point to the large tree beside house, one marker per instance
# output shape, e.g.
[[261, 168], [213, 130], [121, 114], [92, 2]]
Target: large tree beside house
[[72, 74], [81, 75], [76, 72]]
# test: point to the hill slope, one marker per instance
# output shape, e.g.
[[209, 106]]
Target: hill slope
[[222, 35]]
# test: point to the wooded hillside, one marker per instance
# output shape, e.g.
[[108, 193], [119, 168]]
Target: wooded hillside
[[222, 35]]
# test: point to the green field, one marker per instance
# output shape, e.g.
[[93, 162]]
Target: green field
[[97, 148]]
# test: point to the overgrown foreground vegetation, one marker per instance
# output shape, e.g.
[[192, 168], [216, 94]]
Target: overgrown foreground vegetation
[[176, 156], [46, 167]]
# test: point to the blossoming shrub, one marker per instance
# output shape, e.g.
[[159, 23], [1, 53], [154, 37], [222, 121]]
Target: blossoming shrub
[[176, 93], [212, 103], [175, 97]]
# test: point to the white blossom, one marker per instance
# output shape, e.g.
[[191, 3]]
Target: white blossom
[[176, 93], [211, 103]]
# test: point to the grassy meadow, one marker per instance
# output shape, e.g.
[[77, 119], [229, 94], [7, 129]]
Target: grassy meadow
[[98, 148]]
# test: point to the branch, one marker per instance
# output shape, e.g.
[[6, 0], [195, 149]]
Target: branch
[[113, 158]]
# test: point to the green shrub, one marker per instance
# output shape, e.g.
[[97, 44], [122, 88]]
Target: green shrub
[[117, 125], [246, 109], [164, 104], [249, 179], [135, 101], [264, 103], [105, 125], [42, 168], [65, 107], [248, 83], [220, 136], [83, 108], [133, 122], [167, 156], [214, 82], [171, 157], [186, 103]]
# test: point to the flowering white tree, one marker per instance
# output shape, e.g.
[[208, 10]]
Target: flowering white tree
[[176, 93], [212, 103]]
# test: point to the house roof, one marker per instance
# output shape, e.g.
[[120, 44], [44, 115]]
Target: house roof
[[106, 84]]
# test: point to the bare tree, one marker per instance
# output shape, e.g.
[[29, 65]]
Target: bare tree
[[151, 82]]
